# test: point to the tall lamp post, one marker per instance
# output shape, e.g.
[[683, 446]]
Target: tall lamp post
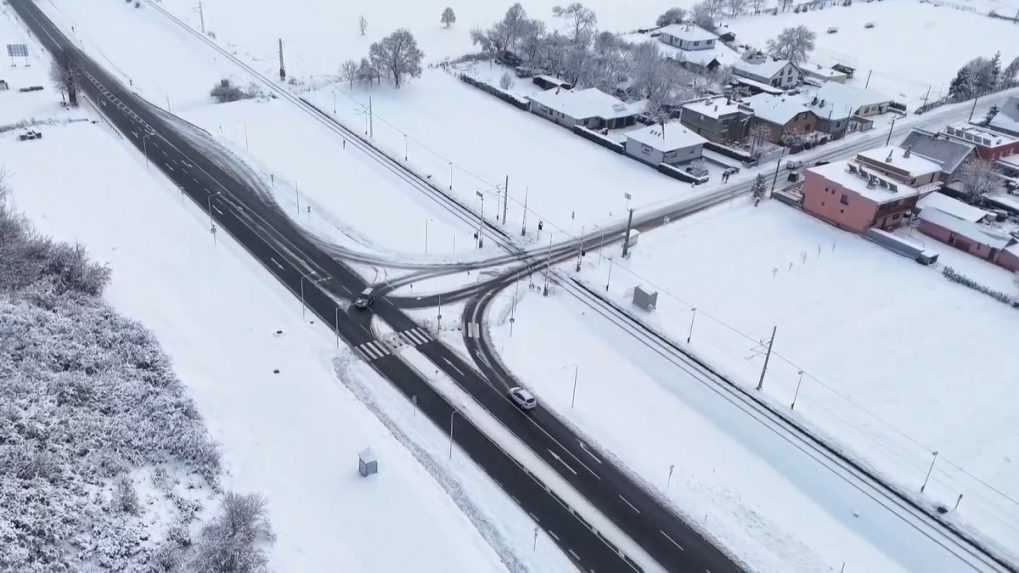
[[481, 220]]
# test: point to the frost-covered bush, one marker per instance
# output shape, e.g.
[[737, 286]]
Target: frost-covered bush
[[233, 541], [86, 398]]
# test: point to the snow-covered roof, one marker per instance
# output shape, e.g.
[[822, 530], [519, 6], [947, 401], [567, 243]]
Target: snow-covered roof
[[943, 202], [949, 153], [963, 228], [688, 32], [895, 156], [844, 96], [777, 109], [819, 71], [587, 103], [979, 135], [1007, 118], [721, 53], [848, 174], [670, 138], [1009, 202], [766, 69], [717, 107]]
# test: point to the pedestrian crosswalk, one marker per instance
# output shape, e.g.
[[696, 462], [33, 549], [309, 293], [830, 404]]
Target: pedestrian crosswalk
[[377, 349]]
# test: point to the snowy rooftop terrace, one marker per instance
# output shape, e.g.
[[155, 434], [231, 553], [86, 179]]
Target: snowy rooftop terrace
[[979, 135], [954, 207], [858, 178], [901, 159]]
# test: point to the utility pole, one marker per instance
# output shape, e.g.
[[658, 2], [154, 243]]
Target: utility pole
[[774, 180], [767, 358], [576, 373], [870, 73], [929, 471], [523, 225], [548, 265], [283, 68], [371, 119], [889, 140], [336, 326], [505, 200], [926, 96], [796, 394], [481, 220], [693, 317], [609, 280], [626, 238], [201, 16], [974, 108]]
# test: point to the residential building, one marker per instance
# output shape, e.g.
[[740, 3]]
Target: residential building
[[1007, 119], [780, 74], [847, 195], [954, 207], [830, 119], [976, 239], [687, 37], [991, 145], [721, 120], [670, 143], [902, 166], [858, 101], [949, 153], [782, 116], [589, 108]]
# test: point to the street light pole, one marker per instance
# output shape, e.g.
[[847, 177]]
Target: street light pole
[[929, 471], [451, 414], [426, 236], [796, 394], [774, 180], [609, 280], [336, 326], [693, 316], [668, 483], [481, 220], [576, 373]]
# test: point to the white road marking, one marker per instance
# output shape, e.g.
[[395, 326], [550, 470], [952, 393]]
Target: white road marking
[[552, 534], [453, 366], [673, 541], [627, 502], [170, 167], [534, 517], [574, 554], [583, 446], [275, 262], [560, 460]]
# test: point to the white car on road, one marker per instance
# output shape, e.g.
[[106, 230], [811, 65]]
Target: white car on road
[[523, 398]]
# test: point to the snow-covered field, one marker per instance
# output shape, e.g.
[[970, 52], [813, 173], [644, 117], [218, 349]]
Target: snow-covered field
[[292, 436], [912, 47], [896, 361]]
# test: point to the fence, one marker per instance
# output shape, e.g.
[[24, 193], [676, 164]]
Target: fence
[[515, 101]]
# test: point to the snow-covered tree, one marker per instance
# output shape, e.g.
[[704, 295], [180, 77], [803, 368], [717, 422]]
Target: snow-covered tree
[[977, 178], [506, 80], [793, 44], [507, 33], [362, 25], [736, 7], [348, 72], [671, 16], [1011, 72], [580, 19], [397, 55], [448, 17], [234, 541], [367, 73], [703, 14]]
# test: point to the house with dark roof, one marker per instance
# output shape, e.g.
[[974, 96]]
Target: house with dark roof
[[782, 116], [949, 153], [1007, 118]]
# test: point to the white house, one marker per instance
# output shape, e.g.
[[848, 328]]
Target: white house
[[670, 143], [590, 108], [862, 102], [774, 73], [687, 37]]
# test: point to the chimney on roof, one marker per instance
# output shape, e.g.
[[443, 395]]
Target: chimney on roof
[[822, 103], [813, 101]]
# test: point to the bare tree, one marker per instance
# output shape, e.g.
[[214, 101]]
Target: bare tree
[[757, 5], [348, 72], [671, 16], [652, 76], [736, 7], [367, 73], [703, 15], [448, 17], [793, 44], [62, 74], [582, 21], [977, 178], [398, 55]]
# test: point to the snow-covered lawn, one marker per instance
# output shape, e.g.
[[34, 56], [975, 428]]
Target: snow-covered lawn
[[911, 47], [292, 436], [896, 361]]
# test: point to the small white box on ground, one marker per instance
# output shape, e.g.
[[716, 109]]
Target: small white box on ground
[[367, 463]]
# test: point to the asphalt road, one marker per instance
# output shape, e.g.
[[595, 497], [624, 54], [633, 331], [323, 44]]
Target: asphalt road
[[325, 284]]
